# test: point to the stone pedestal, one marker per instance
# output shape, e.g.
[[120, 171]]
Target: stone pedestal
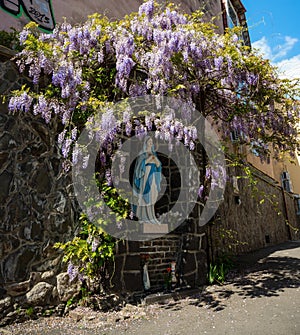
[[150, 228]]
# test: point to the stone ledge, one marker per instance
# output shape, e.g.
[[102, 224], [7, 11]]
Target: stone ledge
[[164, 297], [6, 52]]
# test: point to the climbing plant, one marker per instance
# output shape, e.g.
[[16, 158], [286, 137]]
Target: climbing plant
[[80, 70]]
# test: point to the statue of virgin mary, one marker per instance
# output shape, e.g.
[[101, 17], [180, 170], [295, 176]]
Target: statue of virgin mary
[[146, 182]]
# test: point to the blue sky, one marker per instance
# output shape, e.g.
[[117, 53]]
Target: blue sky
[[274, 27]]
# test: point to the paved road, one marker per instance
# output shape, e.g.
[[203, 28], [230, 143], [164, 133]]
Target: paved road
[[263, 299]]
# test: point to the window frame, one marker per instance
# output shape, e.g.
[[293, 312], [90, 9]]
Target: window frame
[[297, 200], [231, 22], [286, 182]]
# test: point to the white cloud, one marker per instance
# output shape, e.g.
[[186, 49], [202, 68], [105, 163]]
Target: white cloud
[[263, 47], [289, 67], [284, 48], [275, 53]]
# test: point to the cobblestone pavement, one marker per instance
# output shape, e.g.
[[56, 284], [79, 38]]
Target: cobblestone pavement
[[263, 297]]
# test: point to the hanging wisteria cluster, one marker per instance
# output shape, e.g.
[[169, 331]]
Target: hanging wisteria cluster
[[156, 51], [78, 71]]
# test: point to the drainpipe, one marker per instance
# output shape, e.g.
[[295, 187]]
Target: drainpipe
[[286, 215]]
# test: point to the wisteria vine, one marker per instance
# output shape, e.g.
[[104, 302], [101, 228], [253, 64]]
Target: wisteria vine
[[79, 70], [157, 51]]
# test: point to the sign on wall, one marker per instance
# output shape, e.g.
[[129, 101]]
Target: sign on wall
[[39, 11]]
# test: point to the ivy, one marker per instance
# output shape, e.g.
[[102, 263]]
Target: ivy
[[89, 253]]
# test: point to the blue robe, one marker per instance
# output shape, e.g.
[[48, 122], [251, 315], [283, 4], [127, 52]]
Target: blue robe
[[139, 182]]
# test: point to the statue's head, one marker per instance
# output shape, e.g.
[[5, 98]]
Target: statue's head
[[148, 145]]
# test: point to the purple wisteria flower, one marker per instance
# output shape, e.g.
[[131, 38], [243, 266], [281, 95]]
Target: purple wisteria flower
[[108, 177], [66, 146], [22, 102], [161, 52], [200, 191], [95, 244], [85, 161], [147, 8], [207, 173], [74, 133], [72, 271], [252, 78], [61, 136], [218, 63], [23, 36]]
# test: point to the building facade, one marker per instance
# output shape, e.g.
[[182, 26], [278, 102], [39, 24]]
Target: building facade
[[30, 192]]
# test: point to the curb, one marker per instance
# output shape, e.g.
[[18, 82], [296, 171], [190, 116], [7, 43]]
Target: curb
[[165, 297]]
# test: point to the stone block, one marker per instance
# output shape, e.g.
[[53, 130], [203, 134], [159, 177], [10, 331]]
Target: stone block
[[150, 228], [3, 159], [189, 261], [133, 281], [41, 180], [117, 271], [156, 255], [49, 264], [39, 295], [5, 181], [17, 264], [5, 304], [3, 118], [49, 277], [170, 255], [122, 247], [158, 242], [11, 74], [145, 250], [18, 289], [66, 289], [134, 246], [132, 262]]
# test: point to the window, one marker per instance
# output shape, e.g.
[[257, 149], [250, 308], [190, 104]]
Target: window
[[286, 181], [255, 148], [297, 200], [232, 17], [234, 136], [259, 149], [238, 136]]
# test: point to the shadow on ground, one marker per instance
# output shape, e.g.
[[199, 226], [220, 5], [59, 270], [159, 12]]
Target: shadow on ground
[[257, 274]]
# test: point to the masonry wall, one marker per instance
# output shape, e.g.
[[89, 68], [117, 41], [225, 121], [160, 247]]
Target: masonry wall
[[250, 220], [244, 222], [77, 11], [35, 207], [36, 210], [187, 250]]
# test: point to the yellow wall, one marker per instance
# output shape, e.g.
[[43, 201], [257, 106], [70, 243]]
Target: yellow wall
[[77, 11], [294, 171], [275, 169]]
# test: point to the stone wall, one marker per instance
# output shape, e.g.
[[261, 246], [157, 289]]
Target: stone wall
[[187, 250], [246, 222], [36, 210], [77, 11], [35, 207], [291, 216]]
